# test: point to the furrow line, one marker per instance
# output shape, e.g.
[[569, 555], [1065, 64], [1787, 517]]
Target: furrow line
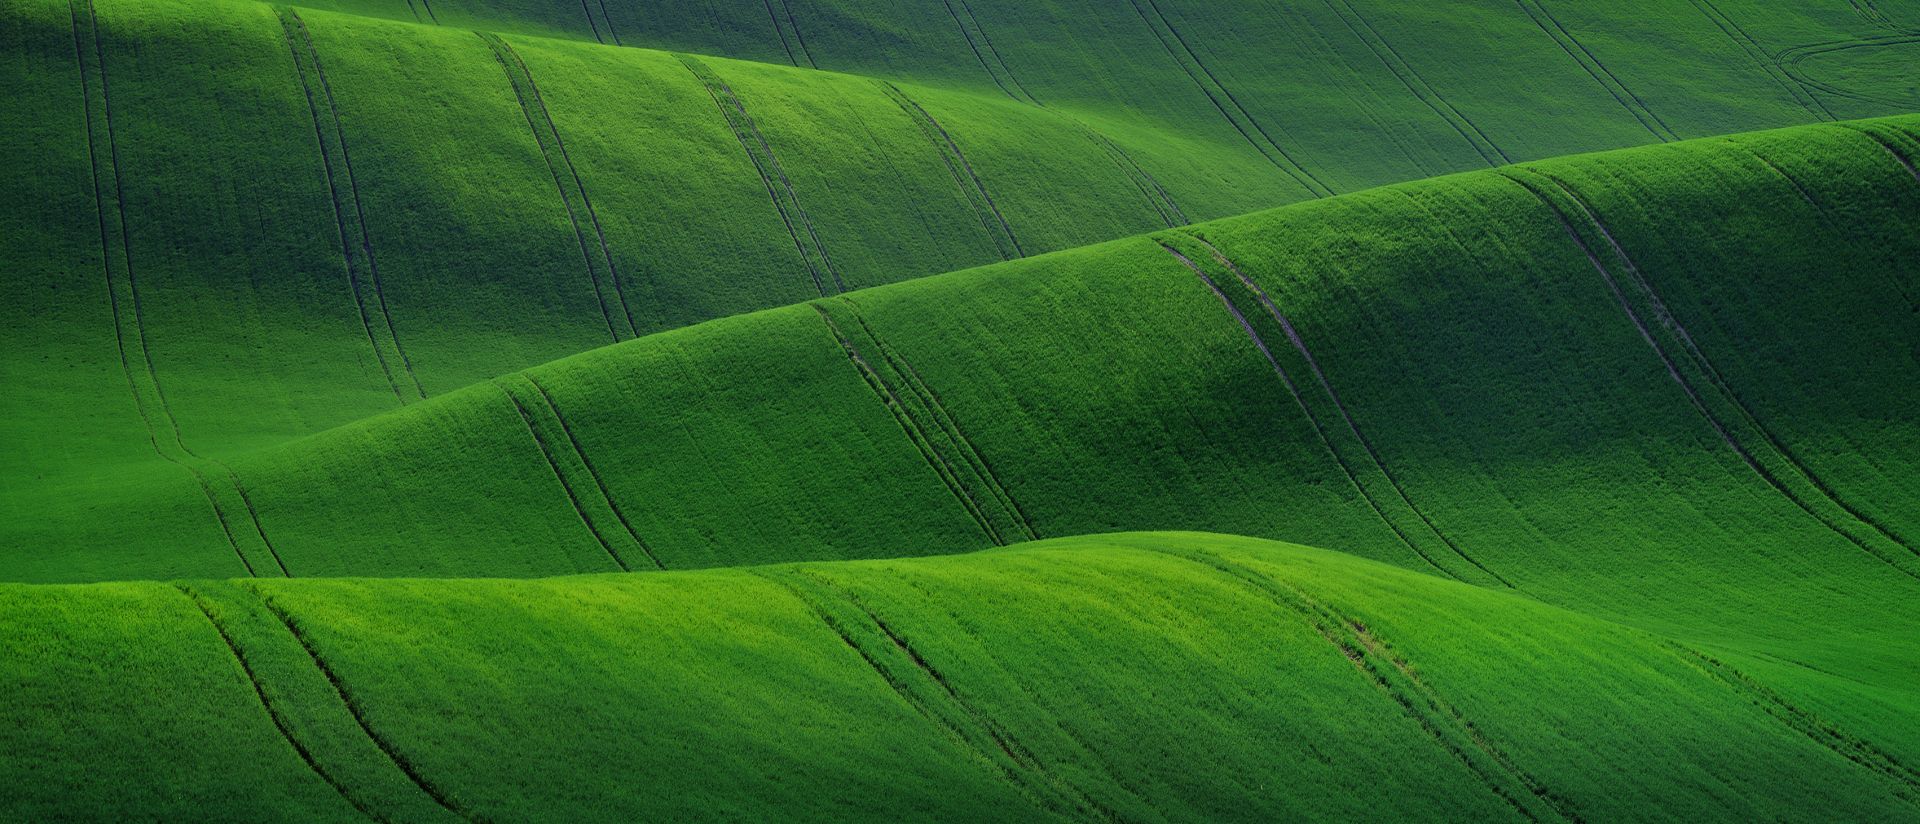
[[1857, 750], [1195, 70], [599, 483], [359, 215], [1591, 64], [946, 424], [967, 9], [1889, 148], [1779, 173], [1747, 44], [1442, 720], [786, 201], [1293, 390], [352, 704], [1779, 483], [1313, 365], [573, 498], [426, 4], [962, 172], [546, 139], [914, 433], [273, 712], [970, 29], [1415, 84], [333, 191]]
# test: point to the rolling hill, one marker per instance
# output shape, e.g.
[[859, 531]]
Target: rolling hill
[[517, 410]]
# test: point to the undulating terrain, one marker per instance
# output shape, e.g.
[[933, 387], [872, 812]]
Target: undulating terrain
[[1134, 410]]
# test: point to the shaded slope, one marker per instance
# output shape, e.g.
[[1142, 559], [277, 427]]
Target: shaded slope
[[325, 215], [1667, 387], [1140, 677]]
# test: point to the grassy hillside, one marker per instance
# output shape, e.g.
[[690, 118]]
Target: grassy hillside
[[294, 218], [944, 373], [1135, 677]]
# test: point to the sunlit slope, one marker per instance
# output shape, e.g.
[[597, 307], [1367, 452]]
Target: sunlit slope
[[1132, 677]]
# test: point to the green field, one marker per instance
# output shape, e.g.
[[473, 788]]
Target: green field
[[956, 410]]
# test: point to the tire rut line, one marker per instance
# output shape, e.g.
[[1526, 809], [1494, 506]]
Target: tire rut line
[[273, 713], [1597, 70], [1299, 400], [546, 451], [598, 482], [734, 112], [1693, 396], [1772, 68], [1778, 172], [798, 37], [1415, 84], [1021, 767], [961, 170], [1888, 147], [911, 428], [981, 56], [386, 747], [333, 191], [186, 458], [1285, 163], [943, 420], [992, 50], [588, 13], [1719, 382], [1313, 364], [579, 185], [608, 18], [580, 239], [1859, 751], [779, 32], [359, 209], [1388, 672], [1150, 188]]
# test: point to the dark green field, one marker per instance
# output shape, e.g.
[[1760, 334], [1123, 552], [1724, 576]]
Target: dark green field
[[1143, 410]]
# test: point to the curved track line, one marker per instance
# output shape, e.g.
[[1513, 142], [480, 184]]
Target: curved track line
[[1699, 403], [593, 472], [352, 704], [273, 713], [960, 169], [573, 498], [1598, 71], [1415, 84], [1441, 719]]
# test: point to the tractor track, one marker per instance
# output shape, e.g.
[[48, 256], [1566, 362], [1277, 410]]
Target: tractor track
[[960, 170], [1415, 84], [1597, 70], [594, 473], [559, 475], [1780, 482]]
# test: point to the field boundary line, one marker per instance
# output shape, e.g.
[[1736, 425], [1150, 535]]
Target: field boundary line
[[911, 427], [1859, 751], [764, 161], [546, 136], [273, 712], [946, 424], [896, 661], [1779, 481], [352, 704], [1278, 156], [559, 475], [598, 482], [1562, 37], [964, 177], [1414, 83], [1300, 348], [1392, 674]]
